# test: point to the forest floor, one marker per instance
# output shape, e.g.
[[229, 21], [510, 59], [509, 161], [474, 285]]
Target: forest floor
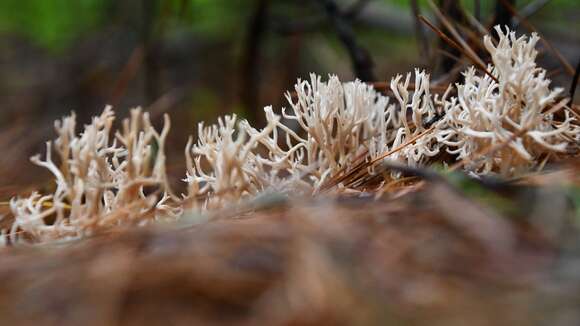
[[437, 248], [443, 251]]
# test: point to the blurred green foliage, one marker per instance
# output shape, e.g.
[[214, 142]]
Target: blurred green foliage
[[54, 24], [50, 23], [476, 191]]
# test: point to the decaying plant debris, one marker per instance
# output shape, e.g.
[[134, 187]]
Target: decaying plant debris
[[340, 211], [420, 259]]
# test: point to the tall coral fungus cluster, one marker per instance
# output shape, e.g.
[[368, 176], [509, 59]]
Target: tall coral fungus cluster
[[487, 111], [100, 179], [104, 181]]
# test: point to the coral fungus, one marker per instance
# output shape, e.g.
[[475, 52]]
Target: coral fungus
[[104, 181]]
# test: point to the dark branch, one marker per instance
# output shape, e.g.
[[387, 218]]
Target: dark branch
[[574, 82], [152, 69], [315, 23], [454, 13], [420, 32], [530, 9], [477, 10], [503, 15], [360, 57], [355, 9], [250, 77]]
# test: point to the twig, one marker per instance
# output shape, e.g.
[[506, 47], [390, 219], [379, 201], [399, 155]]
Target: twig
[[360, 57], [574, 82], [151, 66], [354, 10], [475, 60], [477, 10], [399, 148], [251, 58], [467, 49], [393, 151], [454, 13], [475, 23], [531, 9], [336, 179], [355, 171], [503, 17], [422, 42]]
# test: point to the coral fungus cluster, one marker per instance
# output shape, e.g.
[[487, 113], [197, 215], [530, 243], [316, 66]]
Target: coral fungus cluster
[[104, 181]]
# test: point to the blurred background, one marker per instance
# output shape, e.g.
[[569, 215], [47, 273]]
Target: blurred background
[[197, 59]]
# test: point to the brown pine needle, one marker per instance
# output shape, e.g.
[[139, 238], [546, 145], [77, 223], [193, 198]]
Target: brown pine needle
[[475, 60], [363, 165], [399, 148], [467, 49]]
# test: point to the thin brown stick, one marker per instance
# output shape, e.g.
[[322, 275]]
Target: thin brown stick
[[477, 10], [446, 38], [574, 82], [360, 57], [475, 23], [422, 42], [532, 8], [399, 148], [340, 177], [355, 9], [502, 17], [449, 55], [358, 173], [363, 165], [252, 57], [455, 34]]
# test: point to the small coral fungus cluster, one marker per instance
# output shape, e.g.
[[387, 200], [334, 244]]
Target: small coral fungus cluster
[[104, 181]]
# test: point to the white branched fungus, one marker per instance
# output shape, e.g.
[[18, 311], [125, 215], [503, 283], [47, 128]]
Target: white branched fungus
[[227, 153], [100, 182], [488, 112], [103, 182], [335, 122]]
